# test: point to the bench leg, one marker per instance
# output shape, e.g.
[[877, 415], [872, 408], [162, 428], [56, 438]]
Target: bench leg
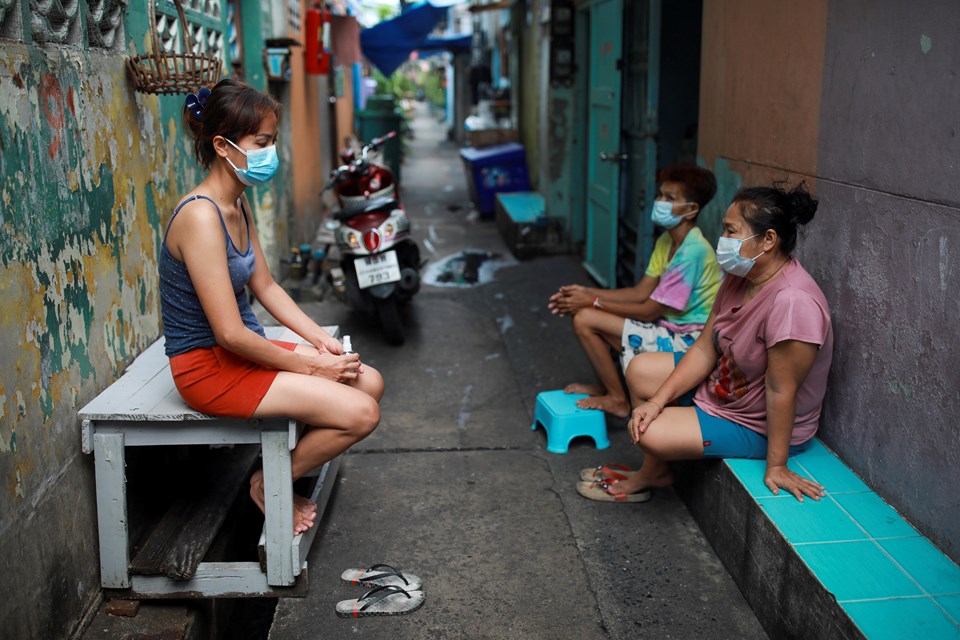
[[110, 466], [278, 498]]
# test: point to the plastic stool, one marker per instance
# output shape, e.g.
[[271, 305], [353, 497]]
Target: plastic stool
[[563, 420]]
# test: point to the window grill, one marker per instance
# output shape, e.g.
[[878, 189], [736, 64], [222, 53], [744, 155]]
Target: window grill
[[105, 23]]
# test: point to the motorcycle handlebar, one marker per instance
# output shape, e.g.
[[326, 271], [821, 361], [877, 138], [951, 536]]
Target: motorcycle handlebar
[[374, 144]]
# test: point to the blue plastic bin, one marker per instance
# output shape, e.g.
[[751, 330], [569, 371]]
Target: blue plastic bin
[[491, 170]]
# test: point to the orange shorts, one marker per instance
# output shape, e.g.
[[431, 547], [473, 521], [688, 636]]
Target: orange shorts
[[220, 382]]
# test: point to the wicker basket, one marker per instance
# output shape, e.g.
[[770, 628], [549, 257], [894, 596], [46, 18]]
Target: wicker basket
[[161, 72]]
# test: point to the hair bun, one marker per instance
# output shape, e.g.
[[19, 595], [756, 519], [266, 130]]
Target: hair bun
[[802, 206]]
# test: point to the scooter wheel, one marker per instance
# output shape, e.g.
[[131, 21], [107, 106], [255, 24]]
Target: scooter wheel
[[389, 316]]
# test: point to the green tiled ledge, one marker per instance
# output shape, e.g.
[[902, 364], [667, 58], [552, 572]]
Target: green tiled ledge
[[890, 580]]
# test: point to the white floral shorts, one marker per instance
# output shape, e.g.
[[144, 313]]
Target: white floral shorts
[[649, 337]]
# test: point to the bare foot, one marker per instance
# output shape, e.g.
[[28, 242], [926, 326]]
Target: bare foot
[[304, 509], [304, 514], [589, 389], [638, 482], [614, 406]]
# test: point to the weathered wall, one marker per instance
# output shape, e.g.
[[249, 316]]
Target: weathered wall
[[85, 172], [885, 247], [761, 68], [89, 173], [858, 98]]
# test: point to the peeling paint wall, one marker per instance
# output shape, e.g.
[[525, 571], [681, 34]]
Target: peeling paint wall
[[85, 171], [858, 99], [89, 173]]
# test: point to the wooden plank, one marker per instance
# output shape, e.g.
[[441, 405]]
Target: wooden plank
[[219, 431], [121, 395], [111, 481], [179, 542], [278, 496], [214, 580], [320, 493]]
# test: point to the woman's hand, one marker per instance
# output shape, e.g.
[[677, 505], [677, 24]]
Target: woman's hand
[[330, 345], [641, 419], [570, 299], [780, 477], [338, 368]]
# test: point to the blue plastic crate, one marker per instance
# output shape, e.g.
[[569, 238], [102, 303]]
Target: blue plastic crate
[[491, 170]]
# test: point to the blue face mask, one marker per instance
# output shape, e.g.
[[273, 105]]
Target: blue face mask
[[262, 164], [662, 214], [728, 255]]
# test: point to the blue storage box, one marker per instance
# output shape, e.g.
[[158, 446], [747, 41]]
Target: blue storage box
[[492, 170]]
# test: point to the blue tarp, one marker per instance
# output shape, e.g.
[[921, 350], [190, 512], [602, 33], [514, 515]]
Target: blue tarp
[[389, 44]]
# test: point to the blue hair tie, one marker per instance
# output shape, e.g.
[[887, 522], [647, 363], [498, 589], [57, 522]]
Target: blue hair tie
[[196, 102]]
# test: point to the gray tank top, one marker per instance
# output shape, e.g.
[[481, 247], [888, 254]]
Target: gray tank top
[[185, 325]]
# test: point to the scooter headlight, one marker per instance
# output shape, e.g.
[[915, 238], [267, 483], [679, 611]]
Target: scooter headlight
[[371, 239]]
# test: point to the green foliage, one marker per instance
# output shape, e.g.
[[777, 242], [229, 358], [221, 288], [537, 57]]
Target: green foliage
[[405, 82]]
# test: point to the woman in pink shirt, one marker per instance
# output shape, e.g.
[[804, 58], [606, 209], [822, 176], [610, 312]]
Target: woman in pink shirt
[[759, 368]]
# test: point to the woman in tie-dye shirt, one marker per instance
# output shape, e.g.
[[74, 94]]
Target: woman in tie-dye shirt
[[666, 310]]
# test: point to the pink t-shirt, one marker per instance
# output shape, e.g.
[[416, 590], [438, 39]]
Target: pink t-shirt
[[791, 307]]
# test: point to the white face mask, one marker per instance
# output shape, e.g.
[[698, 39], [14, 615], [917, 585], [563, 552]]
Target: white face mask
[[728, 255], [662, 213]]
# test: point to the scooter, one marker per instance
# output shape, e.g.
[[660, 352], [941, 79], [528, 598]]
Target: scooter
[[379, 260]]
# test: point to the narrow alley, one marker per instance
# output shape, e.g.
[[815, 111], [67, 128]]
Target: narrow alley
[[455, 487]]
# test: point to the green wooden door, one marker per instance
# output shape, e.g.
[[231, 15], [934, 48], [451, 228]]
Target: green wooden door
[[603, 140], [641, 97]]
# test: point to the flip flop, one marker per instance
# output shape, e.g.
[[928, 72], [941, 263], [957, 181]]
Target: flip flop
[[371, 577], [609, 471], [382, 601], [600, 491]]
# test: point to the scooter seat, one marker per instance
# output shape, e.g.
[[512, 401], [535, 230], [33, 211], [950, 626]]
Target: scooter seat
[[369, 206]]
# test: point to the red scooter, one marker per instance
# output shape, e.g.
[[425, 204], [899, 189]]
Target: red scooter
[[380, 261]]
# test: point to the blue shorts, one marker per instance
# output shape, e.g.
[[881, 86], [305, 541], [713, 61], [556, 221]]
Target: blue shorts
[[726, 439]]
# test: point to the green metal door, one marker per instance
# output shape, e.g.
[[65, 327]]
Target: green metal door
[[603, 140], [641, 88]]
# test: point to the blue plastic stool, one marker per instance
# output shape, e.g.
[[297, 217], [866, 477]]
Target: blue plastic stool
[[563, 420]]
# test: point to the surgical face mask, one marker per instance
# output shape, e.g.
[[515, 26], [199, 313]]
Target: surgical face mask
[[262, 164], [662, 213], [728, 255]]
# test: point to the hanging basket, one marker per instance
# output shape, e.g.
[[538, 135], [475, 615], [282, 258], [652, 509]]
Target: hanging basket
[[161, 72]]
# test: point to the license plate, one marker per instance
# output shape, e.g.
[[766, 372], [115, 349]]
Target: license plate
[[378, 269]]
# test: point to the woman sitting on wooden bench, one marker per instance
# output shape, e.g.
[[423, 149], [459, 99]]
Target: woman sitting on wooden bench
[[220, 358]]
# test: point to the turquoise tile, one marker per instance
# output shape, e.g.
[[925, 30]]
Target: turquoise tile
[[833, 474], [856, 570], [811, 520], [873, 514], [750, 473], [926, 564], [951, 604], [907, 619], [816, 448]]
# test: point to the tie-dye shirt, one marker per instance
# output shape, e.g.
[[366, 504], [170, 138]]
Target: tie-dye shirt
[[688, 283]]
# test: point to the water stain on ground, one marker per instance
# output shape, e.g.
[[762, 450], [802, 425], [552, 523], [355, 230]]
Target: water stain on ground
[[468, 268]]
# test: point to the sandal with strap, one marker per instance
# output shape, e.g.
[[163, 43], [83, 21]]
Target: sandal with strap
[[609, 471], [370, 577], [382, 601], [600, 490]]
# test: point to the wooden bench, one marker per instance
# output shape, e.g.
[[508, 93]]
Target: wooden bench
[[143, 408]]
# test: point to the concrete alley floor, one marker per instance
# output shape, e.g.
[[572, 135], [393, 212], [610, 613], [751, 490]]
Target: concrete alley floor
[[455, 486]]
